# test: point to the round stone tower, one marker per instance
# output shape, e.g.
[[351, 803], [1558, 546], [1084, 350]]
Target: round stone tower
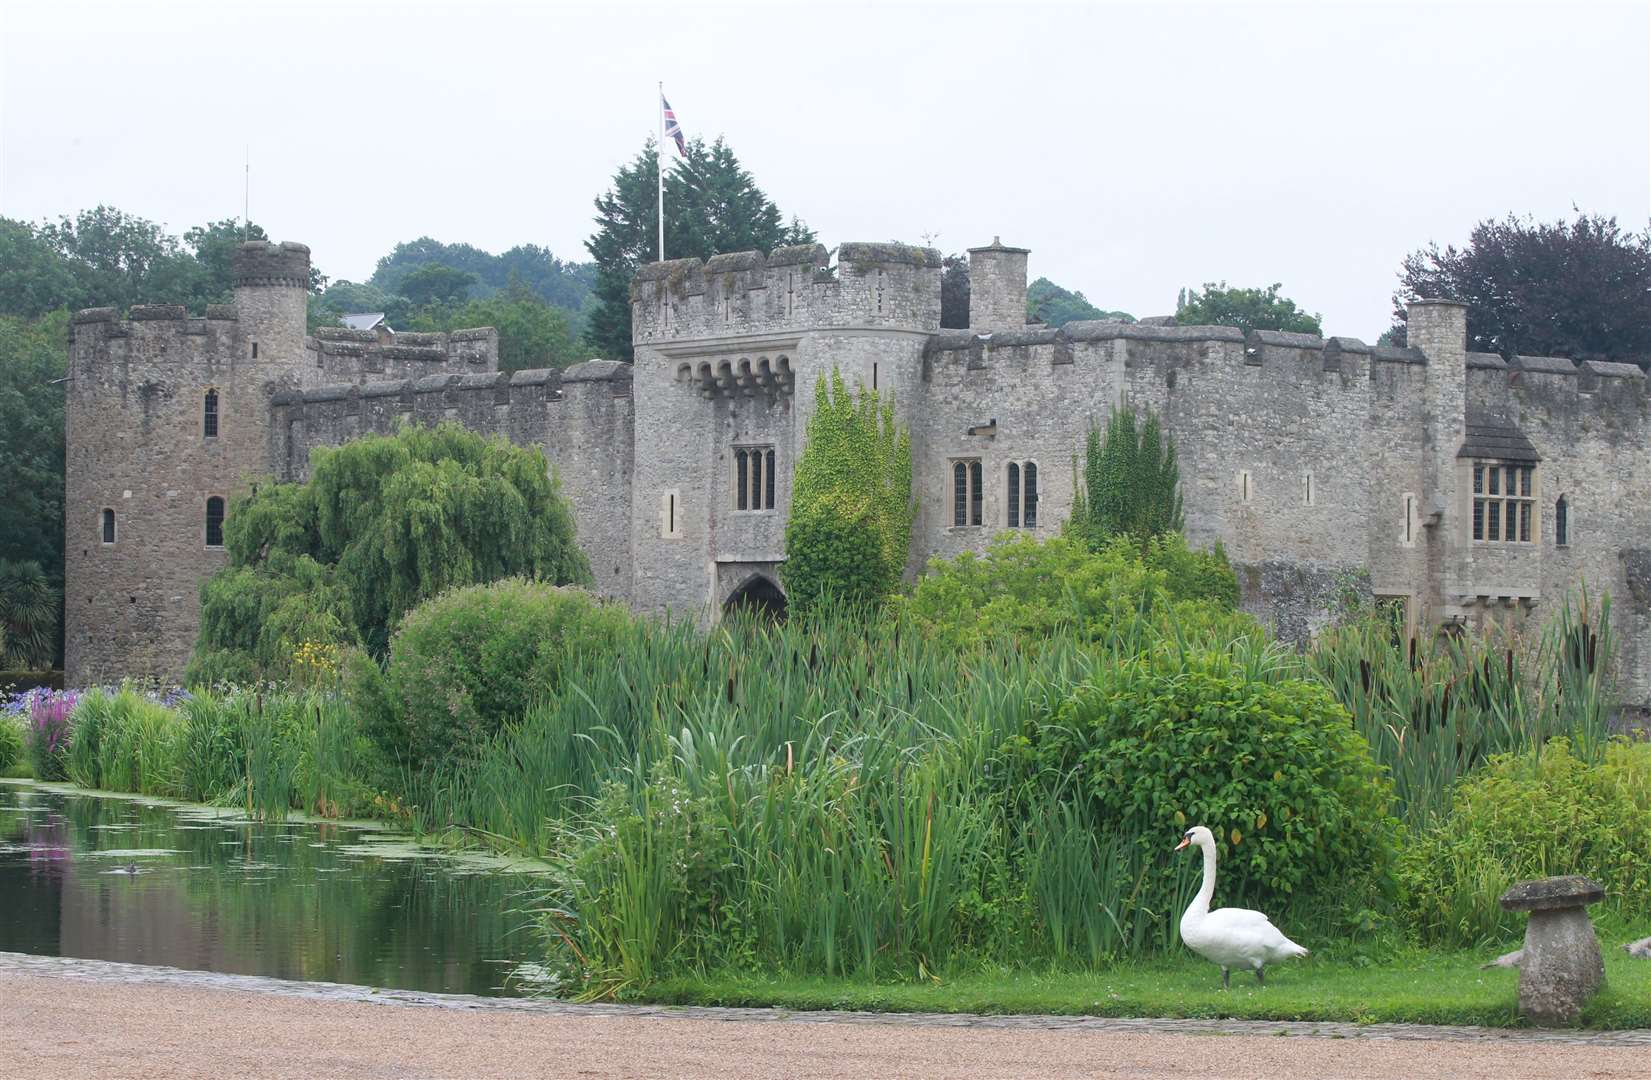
[[167, 419]]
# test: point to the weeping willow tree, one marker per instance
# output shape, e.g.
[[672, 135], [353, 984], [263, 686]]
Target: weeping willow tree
[[382, 524]]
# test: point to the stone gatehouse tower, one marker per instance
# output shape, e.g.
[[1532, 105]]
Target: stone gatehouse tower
[[1469, 487]]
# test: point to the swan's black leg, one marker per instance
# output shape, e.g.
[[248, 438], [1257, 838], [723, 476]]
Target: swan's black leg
[[1226, 979], [1258, 977]]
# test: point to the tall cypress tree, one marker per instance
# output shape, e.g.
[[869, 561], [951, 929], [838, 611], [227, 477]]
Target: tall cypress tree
[[712, 205]]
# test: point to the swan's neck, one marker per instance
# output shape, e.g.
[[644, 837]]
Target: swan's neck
[[1201, 902]]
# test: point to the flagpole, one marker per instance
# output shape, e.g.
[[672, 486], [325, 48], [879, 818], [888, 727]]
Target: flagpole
[[659, 167]]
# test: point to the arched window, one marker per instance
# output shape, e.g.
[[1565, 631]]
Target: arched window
[[960, 493], [1023, 495], [215, 522], [975, 493], [1562, 522], [209, 415], [108, 526], [754, 478]]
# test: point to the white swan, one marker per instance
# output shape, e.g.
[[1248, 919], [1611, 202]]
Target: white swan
[[1229, 937]]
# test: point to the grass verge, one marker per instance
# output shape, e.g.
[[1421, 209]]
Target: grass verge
[[1414, 988]]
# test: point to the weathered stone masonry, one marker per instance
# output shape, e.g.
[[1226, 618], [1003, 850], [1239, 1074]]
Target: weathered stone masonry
[[1309, 458]]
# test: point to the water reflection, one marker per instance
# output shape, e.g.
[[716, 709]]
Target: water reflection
[[129, 880]]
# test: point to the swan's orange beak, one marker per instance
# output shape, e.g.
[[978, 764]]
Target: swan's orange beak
[[1184, 842]]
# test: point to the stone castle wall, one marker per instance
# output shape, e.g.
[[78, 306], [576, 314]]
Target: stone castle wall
[[1313, 461], [580, 417]]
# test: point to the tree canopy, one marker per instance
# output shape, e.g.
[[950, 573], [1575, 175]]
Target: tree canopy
[[562, 284], [1580, 289], [532, 333], [712, 205], [1052, 305], [1247, 309], [383, 523]]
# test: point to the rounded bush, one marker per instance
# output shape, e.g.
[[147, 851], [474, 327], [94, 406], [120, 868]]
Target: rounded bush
[[467, 662], [835, 555], [1272, 766]]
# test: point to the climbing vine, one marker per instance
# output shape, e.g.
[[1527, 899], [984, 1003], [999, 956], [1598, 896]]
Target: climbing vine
[[851, 505]]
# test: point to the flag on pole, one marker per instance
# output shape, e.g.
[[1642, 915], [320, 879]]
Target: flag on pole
[[673, 130]]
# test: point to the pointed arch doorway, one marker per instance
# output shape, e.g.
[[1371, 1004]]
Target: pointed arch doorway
[[758, 596]]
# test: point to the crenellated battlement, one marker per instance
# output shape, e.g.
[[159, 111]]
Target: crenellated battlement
[[796, 288], [340, 352], [267, 263]]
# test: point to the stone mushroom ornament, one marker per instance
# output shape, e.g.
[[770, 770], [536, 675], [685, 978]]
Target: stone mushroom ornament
[[1560, 967]]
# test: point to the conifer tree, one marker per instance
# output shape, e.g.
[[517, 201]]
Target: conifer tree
[[712, 205]]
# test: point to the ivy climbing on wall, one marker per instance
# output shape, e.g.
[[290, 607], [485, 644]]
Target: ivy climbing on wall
[[851, 507]]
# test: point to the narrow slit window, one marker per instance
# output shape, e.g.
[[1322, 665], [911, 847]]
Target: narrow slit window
[[255, 350], [1029, 501], [215, 522], [670, 513], [975, 495], [756, 479], [960, 493], [1307, 489], [1014, 495], [108, 526], [768, 481], [209, 415], [1562, 522], [741, 466], [1409, 518]]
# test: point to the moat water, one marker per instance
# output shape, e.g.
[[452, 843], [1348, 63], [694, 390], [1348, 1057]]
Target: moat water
[[150, 882]]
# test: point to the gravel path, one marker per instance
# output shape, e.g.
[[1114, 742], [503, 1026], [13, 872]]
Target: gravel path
[[74, 1018]]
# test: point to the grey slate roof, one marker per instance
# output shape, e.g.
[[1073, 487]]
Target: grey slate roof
[[1492, 437], [364, 320]]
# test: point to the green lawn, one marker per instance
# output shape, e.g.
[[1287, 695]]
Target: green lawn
[[1417, 987]]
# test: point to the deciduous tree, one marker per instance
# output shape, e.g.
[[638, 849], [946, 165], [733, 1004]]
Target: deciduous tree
[[1579, 288], [1247, 309]]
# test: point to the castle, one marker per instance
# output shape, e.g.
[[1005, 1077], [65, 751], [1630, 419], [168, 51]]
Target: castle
[[1471, 489]]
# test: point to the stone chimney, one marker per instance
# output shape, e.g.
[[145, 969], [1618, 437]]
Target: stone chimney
[[997, 288]]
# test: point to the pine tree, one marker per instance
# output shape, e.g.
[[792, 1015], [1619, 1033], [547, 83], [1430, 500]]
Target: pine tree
[[712, 205]]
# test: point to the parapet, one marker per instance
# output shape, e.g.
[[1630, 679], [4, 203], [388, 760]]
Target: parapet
[[346, 352], [264, 262], [872, 254], [743, 292]]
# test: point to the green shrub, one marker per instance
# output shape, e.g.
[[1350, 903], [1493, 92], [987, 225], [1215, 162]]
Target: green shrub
[[1543, 813], [467, 662], [1273, 766], [1193, 575], [1032, 590], [834, 556], [11, 742]]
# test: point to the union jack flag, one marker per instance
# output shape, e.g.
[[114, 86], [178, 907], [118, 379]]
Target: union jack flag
[[673, 130]]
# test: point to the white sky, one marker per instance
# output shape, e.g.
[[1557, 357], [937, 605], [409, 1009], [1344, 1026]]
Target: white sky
[[1134, 149]]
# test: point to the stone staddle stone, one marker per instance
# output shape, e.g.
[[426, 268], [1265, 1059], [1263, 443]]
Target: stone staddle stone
[[1561, 967]]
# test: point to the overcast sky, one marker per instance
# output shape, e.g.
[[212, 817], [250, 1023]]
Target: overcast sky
[[1134, 149]]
